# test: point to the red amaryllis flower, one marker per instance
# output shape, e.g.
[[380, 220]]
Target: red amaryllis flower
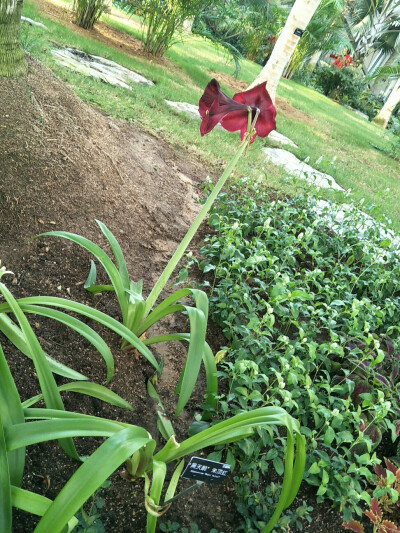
[[215, 107]]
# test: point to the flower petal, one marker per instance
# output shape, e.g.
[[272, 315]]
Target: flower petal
[[209, 96]]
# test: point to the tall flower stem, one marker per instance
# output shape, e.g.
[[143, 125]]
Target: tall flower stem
[[166, 274]]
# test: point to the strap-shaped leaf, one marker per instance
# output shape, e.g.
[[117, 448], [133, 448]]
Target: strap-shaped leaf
[[208, 361], [5, 486], [166, 307], [83, 329], [118, 255], [14, 334], [190, 372], [22, 435], [102, 257], [90, 389], [47, 383], [240, 426], [11, 413], [152, 500], [94, 314], [35, 504], [89, 477]]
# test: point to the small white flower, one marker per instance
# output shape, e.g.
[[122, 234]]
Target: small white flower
[[335, 412], [282, 384]]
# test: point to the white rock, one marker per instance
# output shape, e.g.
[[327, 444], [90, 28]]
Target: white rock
[[99, 67], [357, 112], [298, 169], [335, 214], [183, 107], [281, 139], [193, 112], [33, 22]]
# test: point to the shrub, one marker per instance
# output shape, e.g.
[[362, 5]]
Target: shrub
[[162, 18], [345, 85], [87, 12], [305, 304]]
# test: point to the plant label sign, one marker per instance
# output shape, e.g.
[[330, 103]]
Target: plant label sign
[[298, 32], [206, 470]]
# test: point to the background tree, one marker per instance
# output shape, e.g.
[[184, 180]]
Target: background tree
[[162, 18], [383, 117], [12, 57], [87, 12], [375, 29], [325, 33], [245, 25], [298, 19], [393, 100]]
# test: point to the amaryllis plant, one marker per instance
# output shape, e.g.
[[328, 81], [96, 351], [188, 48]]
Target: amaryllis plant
[[233, 113]]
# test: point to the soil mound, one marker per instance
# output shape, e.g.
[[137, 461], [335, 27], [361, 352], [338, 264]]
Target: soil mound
[[63, 165]]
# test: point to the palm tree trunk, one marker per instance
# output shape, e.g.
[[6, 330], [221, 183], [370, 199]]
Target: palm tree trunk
[[313, 61], [383, 117], [299, 17], [12, 57]]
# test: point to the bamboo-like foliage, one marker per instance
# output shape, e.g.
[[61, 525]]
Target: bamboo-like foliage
[[87, 12], [162, 18], [12, 57]]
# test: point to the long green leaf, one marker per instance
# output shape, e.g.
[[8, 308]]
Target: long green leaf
[[208, 361], [47, 383], [159, 472], [221, 432], [103, 258], [119, 256], [5, 486], [287, 480], [35, 504], [198, 326], [22, 435], [14, 334], [90, 389], [38, 413], [94, 314], [89, 477], [211, 376], [11, 413], [83, 329], [166, 307]]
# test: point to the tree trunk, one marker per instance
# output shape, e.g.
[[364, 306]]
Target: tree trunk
[[12, 57], [383, 117], [313, 61], [299, 17]]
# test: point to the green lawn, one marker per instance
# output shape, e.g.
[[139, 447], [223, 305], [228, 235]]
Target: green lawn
[[329, 130]]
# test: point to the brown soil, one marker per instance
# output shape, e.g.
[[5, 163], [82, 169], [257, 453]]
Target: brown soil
[[63, 166], [283, 106]]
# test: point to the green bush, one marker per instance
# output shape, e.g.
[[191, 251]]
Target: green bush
[[345, 85], [162, 19], [308, 307]]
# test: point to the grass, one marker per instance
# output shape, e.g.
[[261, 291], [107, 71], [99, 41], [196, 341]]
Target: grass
[[331, 131]]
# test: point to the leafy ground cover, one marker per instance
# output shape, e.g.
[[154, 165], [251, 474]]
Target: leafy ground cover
[[336, 140], [311, 318]]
